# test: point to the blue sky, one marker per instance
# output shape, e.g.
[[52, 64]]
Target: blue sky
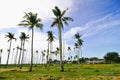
[[98, 21]]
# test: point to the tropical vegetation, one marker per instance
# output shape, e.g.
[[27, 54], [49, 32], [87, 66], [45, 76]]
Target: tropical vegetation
[[48, 56]]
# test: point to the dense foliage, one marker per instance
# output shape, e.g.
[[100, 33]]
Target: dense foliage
[[112, 57]]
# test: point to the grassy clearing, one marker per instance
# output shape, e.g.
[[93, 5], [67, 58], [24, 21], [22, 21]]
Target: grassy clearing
[[72, 72]]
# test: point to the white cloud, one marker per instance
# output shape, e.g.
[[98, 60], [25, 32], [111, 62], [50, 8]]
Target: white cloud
[[13, 11], [69, 34], [93, 27]]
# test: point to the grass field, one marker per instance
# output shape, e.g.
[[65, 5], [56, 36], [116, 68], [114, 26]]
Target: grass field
[[72, 72]]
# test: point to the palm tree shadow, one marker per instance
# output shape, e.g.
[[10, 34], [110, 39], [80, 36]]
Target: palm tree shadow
[[1, 78]]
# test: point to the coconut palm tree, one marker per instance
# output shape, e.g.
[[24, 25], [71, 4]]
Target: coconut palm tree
[[59, 20], [11, 37], [78, 44], [31, 20], [50, 39], [23, 38]]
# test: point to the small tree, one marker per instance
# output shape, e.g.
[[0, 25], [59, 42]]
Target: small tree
[[112, 57]]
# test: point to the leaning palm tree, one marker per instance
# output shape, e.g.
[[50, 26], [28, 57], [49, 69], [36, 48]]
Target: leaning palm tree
[[11, 37], [58, 21], [31, 20], [78, 44], [50, 39], [24, 38]]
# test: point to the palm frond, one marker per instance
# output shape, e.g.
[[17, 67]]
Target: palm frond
[[55, 12], [67, 18], [77, 35], [10, 36], [60, 24], [39, 25], [50, 36], [58, 11], [55, 22], [64, 12], [23, 24], [65, 22], [80, 42]]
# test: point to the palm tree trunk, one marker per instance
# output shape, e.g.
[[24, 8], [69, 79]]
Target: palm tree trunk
[[16, 57], [50, 50], [47, 52], [50, 53], [22, 56], [81, 54], [0, 59], [0, 55], [8, 53], [37, 59], [12, 56], [60, 46], [32, 50], [78, 55]]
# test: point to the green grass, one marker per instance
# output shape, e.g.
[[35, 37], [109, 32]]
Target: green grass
[[72, 72]]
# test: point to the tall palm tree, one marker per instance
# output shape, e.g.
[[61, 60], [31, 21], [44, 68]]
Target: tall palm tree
[[11, 37], [24, 38], [50, 39], [58, 21], [31, 20], [78, 44]]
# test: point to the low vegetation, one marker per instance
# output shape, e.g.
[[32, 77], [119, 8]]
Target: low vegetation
[[72, 72]]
